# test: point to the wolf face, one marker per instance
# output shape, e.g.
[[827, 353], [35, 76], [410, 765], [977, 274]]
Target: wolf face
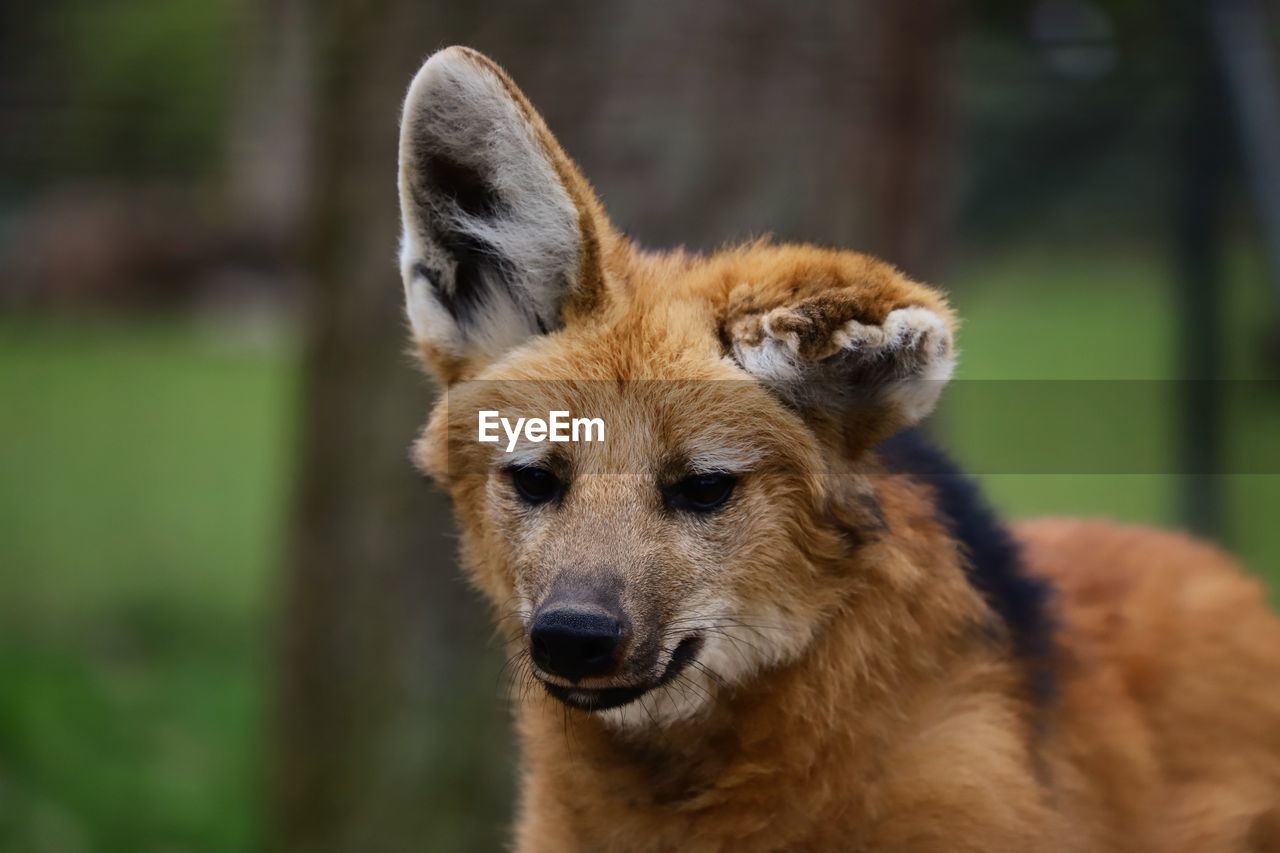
[[708, 537]]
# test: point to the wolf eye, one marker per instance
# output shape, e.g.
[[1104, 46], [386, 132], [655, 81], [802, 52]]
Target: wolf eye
[[536, 485], [702, 492]]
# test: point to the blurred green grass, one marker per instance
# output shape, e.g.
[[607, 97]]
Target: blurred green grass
[[142, 492], [1041, 313], [144, 477]]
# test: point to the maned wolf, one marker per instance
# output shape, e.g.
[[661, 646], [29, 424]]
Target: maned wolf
[[762, 614]]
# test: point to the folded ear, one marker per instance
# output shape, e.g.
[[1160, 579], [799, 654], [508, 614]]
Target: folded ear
[[501, 234], [857, 369]]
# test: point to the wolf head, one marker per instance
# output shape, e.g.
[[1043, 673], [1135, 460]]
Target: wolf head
[[709, 536]]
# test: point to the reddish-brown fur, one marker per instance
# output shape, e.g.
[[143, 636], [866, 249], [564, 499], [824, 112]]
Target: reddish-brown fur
[[897, 717]]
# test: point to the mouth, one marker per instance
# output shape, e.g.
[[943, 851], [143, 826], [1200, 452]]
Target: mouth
[[604, 698]]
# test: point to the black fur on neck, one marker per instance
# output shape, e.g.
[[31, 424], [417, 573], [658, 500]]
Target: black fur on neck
[[992, 557]]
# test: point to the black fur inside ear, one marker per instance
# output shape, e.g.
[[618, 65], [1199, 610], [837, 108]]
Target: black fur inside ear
[[463, 185], [492, 240], [451, 192]]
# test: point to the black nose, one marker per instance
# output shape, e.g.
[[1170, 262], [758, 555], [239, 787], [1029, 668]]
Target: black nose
[[575, 642]]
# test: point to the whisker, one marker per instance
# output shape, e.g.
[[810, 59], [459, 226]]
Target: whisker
[[565, 727], [686, 681], [512, 614], [706, 670], [722, 632], [649, 712], [527, 680], [508, 663], [722, 622]]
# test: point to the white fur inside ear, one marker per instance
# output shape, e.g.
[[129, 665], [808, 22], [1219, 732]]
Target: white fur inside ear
[[911, 354], [429, 320], [525, 229], [772, 359], [922, 343]]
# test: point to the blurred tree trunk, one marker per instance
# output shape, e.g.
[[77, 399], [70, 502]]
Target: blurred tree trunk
[[390, 730], [906, 167], [700, 124]]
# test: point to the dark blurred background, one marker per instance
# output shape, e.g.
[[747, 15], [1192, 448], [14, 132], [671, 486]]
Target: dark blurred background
[[230, 618]]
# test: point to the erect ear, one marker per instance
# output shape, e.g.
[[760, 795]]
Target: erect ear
[[859, 364], [502, 235]]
